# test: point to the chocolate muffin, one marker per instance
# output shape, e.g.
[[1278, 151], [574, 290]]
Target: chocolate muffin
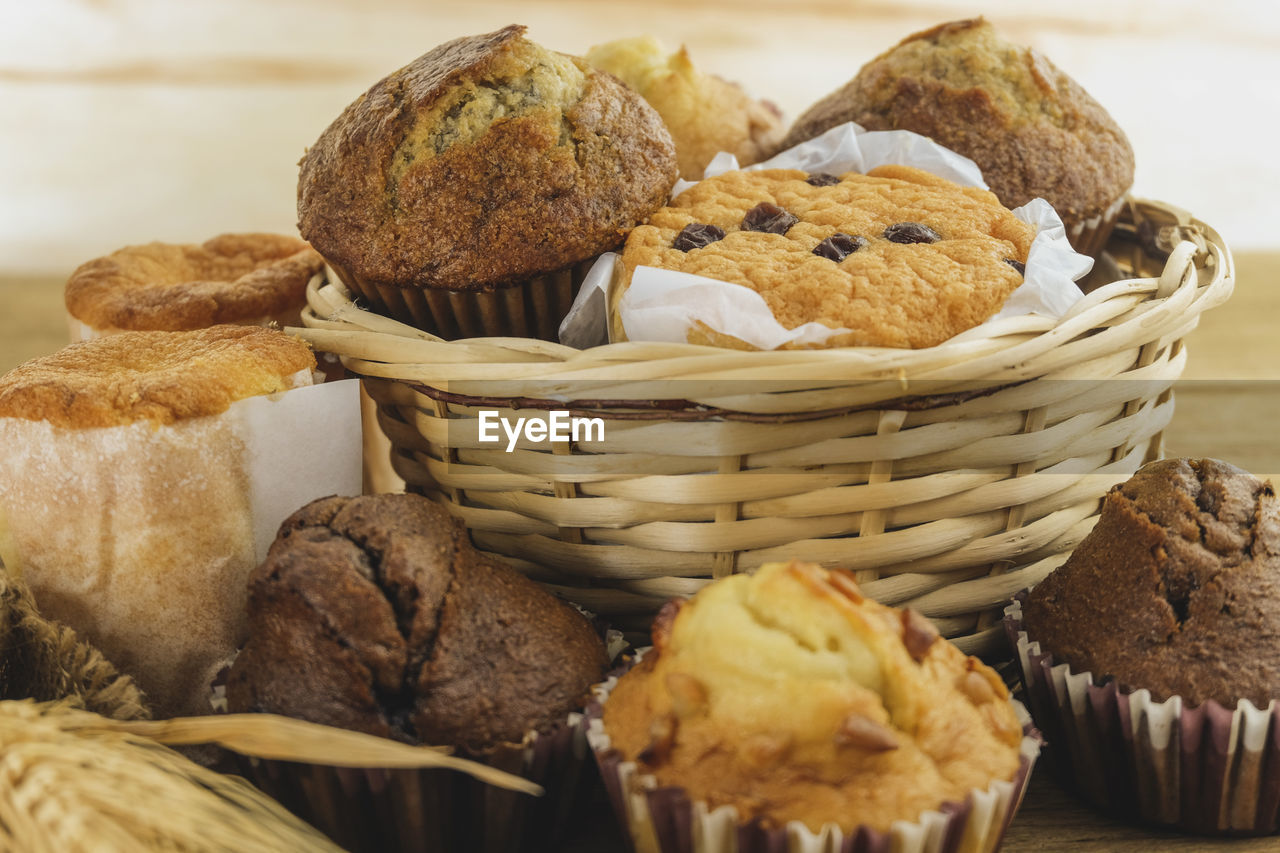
[[1176, 590], [1032, 130], [376, 614], [487, 164]]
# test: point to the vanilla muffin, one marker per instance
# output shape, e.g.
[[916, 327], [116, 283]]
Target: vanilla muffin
[[125, 492], [246, 279], [790, 697], [1032, 130], [466, 191], [897, 257], [705, 113]]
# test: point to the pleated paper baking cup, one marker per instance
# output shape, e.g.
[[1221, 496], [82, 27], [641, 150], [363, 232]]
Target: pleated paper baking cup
[[1202, 769], [1089, 236], [660, 819], [531, 308], [434, 810]]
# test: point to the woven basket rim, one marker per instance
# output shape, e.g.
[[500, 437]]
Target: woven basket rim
[[336, 324]]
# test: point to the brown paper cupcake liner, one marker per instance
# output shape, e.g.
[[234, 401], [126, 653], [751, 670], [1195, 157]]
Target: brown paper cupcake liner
[[433, 810], [528, 309], [1090, 236], [1205, 769], [661, 819]]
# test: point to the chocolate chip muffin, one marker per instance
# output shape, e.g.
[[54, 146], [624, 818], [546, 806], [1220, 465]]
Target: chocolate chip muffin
[[1176, 590], [791, 697], [1032, 130], [376, 614], [896, 258], [705, 113], [465, 191]]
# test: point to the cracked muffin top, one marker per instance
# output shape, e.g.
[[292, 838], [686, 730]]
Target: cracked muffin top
[[788, 695], [376, 614], [1176, 590], [1032, 130], [487, 161]]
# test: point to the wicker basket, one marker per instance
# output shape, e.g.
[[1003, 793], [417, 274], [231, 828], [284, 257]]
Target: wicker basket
[[947, 478]]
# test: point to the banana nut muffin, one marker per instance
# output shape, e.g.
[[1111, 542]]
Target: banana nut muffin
[[791, 697], [1032, 130], [1176, 590], [705, 113], [898, 256], [486, 163], [376, 614], [232, 278]]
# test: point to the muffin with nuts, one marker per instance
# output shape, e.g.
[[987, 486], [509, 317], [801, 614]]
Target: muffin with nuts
[[467, 192], [787, 697]]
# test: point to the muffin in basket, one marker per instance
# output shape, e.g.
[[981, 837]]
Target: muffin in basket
[[785, 707], [897, 257], [245, 279], [126, 486], [466, 192], [705, 113], [1152, 655], [1032, 130], [376, 614]]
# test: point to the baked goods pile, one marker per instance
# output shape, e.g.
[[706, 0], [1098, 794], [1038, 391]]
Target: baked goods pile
[[468, 194]]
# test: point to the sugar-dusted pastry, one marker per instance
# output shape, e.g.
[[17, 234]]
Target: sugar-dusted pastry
[[706, 114], [124, 492], [251, 279], [789, 696], [897, 257]]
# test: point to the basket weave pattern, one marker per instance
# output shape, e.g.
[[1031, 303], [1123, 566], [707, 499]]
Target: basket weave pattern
[[947, 478]]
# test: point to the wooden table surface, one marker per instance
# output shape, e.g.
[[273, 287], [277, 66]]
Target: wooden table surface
[[130, 120]]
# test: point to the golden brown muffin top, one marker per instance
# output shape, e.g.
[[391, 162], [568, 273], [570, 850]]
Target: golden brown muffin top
[[231, 278], [888, 293], [1032, 130], [1176, 590], [789, 696], [485, 162], [705, 113], [160, 377]]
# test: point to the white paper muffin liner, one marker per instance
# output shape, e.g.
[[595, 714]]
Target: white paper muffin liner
[[661, 819], [1204, 769]]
